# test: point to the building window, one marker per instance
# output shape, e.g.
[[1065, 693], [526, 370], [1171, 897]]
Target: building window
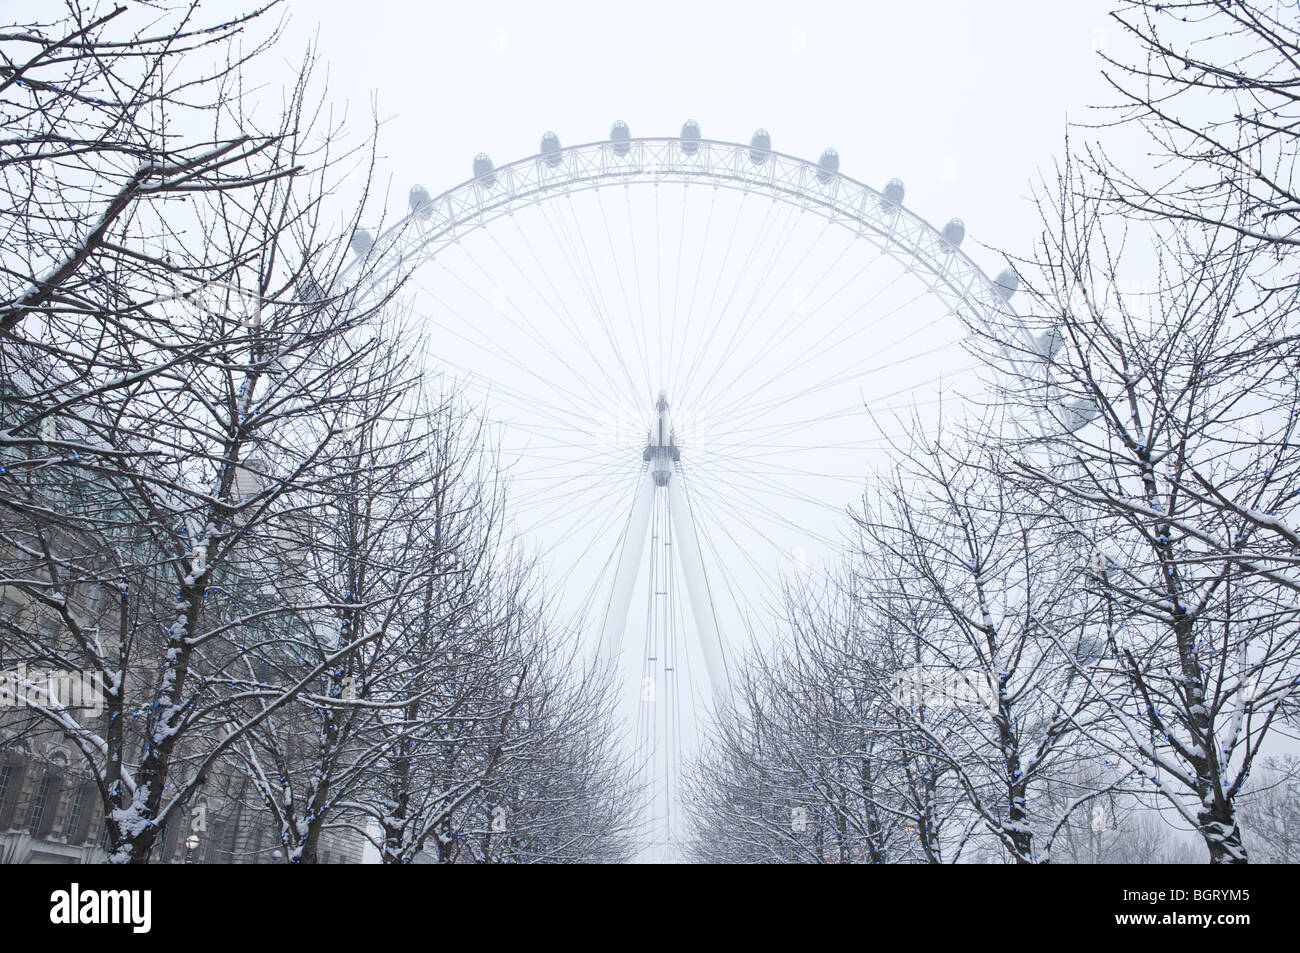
[[174, 825], [40, 802], [46, 627], [212, 855], [74, 815], [6, 776]]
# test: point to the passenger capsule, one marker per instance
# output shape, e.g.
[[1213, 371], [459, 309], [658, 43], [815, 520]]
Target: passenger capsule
[[760, 144], [421, 203], [1007, 282], [361, 241], [894, 193], [484, 170], [1091, 647], [1078, 413], [620, 136], [551, 149], [828, 165], [690, 137], [954, 232], [1049, 343], [309, 290]]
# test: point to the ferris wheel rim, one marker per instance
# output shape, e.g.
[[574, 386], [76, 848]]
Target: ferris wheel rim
[[489, 197], [482, 199]]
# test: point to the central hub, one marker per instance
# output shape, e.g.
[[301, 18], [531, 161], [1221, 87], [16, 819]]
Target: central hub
[[661, 452]]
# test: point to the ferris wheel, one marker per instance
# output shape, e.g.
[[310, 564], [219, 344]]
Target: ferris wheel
[[696, 352]]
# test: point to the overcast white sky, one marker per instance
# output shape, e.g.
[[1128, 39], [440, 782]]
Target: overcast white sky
[[965, 101]]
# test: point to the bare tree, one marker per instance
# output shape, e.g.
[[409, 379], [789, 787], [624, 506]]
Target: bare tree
[[1271, 808], [1004, 647], [1160, 420], [809, 764], [562, 792], [158, 445], [92, 106], [453, 674], [1214, 87], [348, 557]]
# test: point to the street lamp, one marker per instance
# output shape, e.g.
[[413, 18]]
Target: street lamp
[[191, 845]]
